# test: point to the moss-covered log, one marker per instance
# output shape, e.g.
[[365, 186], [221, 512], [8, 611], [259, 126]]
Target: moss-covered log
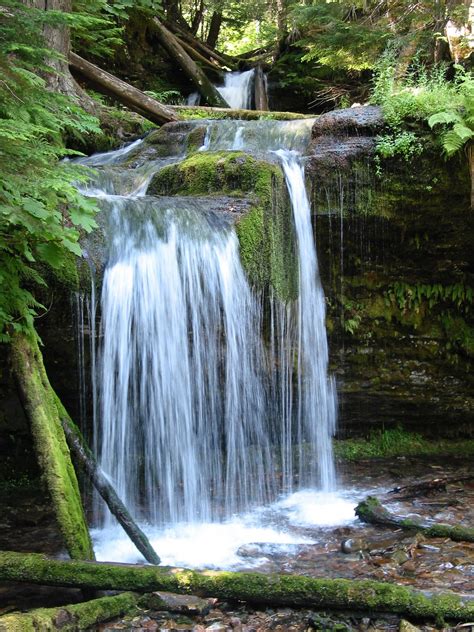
[[284, 590], [43, 410], [70, 618], [373, 512], [87, 461], [201, 111]]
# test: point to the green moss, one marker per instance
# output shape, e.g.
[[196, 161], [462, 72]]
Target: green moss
[[286, 590], [266, 233], [44, 412], [398, 442], [193, 113], [226, 172], [71, 618]]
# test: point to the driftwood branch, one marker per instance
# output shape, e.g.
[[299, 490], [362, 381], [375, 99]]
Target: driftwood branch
[[283, 590], [125, 93], [87, 461], [177, 53], [373, 512]]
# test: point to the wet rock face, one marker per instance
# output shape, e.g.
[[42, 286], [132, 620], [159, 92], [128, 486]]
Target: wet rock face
[[397, 270], [342, 136]]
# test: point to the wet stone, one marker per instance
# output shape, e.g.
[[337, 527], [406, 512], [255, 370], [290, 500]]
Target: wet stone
[[186, 604]]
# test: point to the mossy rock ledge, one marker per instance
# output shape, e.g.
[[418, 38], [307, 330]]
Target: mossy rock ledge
[[265, 231]]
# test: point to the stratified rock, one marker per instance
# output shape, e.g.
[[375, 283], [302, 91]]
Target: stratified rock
[[182, 604]]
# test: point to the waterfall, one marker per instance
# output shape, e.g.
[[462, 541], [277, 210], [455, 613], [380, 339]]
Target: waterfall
[[182, 400], [316, 391], [199, 415], [237, 89]]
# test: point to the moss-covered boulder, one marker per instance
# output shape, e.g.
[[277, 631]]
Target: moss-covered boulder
[[265, 232]]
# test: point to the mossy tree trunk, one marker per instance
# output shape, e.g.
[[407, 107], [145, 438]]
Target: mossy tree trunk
[[281, 590], [42, 408]]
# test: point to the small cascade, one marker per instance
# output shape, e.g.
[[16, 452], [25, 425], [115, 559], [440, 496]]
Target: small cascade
[[316, 391], [237, 89]]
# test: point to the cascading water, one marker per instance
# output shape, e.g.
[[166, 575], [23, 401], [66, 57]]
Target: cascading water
[[237, 89], [195, 422]]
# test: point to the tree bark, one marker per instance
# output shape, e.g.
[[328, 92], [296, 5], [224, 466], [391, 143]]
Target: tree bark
[[57, 38], [87, 461], [123, 92], [373, 512], [192, 70], [197, 19], [73, 618], [223, 60], [260, 90], [42, 408], [194, 54], [256, 588], [214, 29]]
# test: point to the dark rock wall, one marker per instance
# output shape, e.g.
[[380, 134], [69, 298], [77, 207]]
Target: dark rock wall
[[395, 248]]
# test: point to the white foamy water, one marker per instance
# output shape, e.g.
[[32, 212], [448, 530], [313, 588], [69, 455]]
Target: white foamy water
[[215, 545], [309, 508], [237, 89]]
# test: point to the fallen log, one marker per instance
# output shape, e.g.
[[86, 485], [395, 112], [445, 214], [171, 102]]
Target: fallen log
[[428, 487], [130, 96], [87, 461], [70, 618], [255, 588], [189, 67], [260, 90], [202, 111], [373, 512], [221, 58], [41, 406], [196, 55]]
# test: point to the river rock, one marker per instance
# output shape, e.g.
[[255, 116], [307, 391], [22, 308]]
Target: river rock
[[183, 604]]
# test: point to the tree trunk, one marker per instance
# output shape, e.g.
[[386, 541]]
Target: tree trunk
[[75, 617], [214, 29], [123, 92], [470, 157], [373, 512], [195, 74], [256, 588], [200, 58], [87, 461], [41, 406], [260, 90], [223, 60], [197, 19], [57, 38]]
